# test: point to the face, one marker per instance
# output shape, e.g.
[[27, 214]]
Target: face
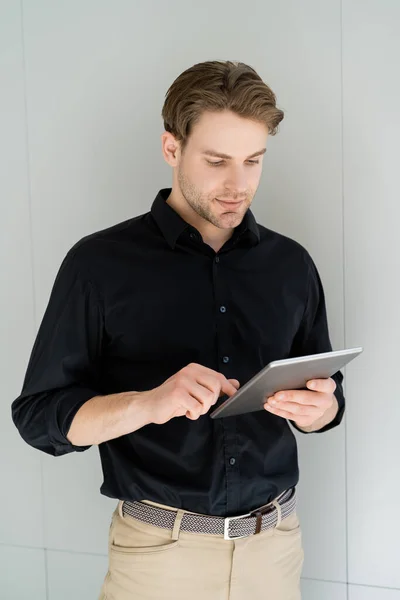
[[220, 169]]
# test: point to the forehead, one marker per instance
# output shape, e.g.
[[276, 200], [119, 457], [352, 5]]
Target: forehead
[[227, 133]]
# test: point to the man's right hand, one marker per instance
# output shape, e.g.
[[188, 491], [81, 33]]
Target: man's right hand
[[190, 392]]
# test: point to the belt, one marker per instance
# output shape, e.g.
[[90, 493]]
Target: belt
[[259, 519]]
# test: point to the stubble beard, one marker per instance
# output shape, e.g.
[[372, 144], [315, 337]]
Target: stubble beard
[[202, 205]]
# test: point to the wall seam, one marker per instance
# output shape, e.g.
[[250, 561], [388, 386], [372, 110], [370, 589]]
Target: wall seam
[[344, 296], [34, 309]]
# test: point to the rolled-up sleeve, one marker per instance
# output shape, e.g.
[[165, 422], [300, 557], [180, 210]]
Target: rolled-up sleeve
[[313, 337], [64, 366]]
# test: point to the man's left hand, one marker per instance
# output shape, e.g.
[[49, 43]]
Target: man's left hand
[[304, 407]]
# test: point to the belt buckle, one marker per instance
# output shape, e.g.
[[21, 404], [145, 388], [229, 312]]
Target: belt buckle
[[226, 527]]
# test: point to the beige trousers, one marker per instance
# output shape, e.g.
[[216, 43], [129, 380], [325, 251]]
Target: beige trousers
[[150, 563]]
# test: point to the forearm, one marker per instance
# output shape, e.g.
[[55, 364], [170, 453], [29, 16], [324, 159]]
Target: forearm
[[326, 418], [103, 418]]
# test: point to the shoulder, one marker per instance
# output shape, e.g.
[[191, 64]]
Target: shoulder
[[93, 252], [285, 249]]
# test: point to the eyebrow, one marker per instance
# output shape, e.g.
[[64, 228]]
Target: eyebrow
[[222, 155]]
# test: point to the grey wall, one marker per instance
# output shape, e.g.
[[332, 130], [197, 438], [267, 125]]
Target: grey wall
[[81, 89]]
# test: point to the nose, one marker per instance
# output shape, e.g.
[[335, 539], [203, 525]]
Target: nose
[[236, 183]]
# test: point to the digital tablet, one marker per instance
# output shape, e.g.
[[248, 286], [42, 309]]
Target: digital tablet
[[286, 374]]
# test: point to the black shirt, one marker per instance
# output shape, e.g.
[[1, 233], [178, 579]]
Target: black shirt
[[136, 302]]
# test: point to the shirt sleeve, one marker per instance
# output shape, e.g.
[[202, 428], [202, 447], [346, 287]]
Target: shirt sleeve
[[313, 338], [63, 369]]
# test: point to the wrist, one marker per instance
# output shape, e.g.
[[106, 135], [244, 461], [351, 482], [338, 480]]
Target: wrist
[[139, 409]]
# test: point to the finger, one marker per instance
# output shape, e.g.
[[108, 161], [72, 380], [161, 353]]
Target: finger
[[201, 371], [229, 388], [207, 390], [326, 386], [296, 409], [235, 382], [304, 397], [204, 396], [215, 381], [288, 414], [193, 407]]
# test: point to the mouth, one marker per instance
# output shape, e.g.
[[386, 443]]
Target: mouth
[[228, 204]]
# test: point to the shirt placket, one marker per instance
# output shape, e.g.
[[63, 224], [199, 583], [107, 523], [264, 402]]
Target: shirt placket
[[226, 365]]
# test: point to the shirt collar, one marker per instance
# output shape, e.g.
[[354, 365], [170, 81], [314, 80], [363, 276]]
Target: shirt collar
[[172, 225]]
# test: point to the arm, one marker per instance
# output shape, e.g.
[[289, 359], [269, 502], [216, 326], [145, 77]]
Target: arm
[[312, 338], [104, 418], [64, 367]]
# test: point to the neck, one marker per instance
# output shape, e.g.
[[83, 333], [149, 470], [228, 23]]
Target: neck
[[212, 236]]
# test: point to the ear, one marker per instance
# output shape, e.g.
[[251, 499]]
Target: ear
[[171, 148]]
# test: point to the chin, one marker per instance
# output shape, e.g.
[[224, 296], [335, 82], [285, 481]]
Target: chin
[[229, 222]]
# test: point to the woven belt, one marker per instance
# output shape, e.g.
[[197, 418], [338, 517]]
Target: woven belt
[[257, 520]]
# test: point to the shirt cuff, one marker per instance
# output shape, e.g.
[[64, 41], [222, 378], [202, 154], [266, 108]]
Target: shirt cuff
[[63, 409]]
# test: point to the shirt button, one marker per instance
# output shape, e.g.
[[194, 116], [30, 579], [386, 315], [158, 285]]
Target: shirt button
[[217, 259], [222, 309], [232, 461], [225, 359], [193, 236]]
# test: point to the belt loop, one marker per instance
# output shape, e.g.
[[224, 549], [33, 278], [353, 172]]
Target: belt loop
[[279, 512], [119, 508], [258, 521], [177, 524]]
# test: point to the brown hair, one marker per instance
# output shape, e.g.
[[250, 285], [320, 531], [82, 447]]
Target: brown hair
[[217, 86]]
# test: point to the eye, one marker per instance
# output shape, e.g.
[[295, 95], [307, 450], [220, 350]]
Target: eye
[[221, 162]]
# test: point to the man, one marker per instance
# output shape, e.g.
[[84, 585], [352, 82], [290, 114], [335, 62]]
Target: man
[[153, 321]]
